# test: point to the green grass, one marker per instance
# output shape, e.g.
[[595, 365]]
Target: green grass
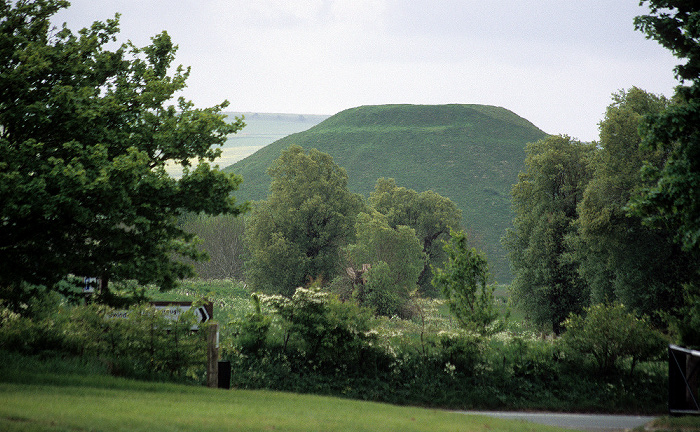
[[98, 403], [685, 424]]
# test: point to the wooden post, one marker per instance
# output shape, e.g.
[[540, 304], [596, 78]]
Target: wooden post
[[213, 355]]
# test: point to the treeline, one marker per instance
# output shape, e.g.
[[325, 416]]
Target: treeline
[[577, 239], [379, 252]]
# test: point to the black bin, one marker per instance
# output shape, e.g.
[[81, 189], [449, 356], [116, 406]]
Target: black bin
[[224, 375]]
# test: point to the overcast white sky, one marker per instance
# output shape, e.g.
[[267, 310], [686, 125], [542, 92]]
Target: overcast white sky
[[553, 62]]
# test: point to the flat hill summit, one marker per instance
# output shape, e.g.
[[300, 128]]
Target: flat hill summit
[[471, 154]]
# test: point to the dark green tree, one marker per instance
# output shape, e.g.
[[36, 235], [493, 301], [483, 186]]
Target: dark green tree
[[673, 199], [547, 283], [85, 137], [463, 281], [622, 259], [298, 233], [431, 215]]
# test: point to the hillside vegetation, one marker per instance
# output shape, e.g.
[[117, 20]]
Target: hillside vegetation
[[469, 153]]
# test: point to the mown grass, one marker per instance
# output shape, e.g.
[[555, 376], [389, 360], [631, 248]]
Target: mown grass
[[45, 401]]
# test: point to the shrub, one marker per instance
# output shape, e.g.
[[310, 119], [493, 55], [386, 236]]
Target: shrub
[[460, 352], [380, 292], [328, 332], [251, 331], [609, 334], [144, 344]]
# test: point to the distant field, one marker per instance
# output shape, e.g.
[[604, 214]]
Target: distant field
[[261, 129]]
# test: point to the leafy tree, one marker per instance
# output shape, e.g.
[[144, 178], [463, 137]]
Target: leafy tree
[[85, 137], [672, 200], [298, 233], [621, 259], [464, 282], [431, 215], [396, 259], [547, 283]]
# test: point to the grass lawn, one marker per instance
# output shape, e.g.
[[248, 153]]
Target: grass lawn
[[111, 404]]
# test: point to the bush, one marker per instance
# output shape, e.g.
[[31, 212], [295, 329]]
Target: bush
[[251, 331], [381, 294], [328, 332], [610, 334], [460, 353], [144, 344]]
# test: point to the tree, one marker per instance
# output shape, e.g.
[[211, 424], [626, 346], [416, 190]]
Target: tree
[[396, 260], [464, 282], [672, 200], [431, 215], [222, 240], [85, 137], [298, 233], [547, 283], [622, 259]]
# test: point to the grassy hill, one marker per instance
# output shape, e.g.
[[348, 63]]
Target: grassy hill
[[469, 153]]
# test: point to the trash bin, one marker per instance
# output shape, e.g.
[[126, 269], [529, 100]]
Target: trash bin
[[224, 375]]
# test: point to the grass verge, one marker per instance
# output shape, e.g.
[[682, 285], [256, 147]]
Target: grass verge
[[162, 407], [80, 401]]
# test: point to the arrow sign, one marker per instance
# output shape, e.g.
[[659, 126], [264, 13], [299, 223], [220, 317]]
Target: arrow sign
[[202, 314], [175, 309]]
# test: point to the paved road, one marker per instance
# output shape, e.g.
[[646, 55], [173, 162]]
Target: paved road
[[581, 422]]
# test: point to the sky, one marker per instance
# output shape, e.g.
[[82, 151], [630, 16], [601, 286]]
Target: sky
[[554, 62]]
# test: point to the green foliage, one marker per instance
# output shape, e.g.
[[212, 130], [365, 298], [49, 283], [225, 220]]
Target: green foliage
[[432, 217], [610, 334], [396, 259], [616, 252], [685, 324], [381, 293], [547, 283], [671, 200], [328, 332], [298, 233], [470, 154], [141, 343], [251, 331], [463, 281], [85, 135]]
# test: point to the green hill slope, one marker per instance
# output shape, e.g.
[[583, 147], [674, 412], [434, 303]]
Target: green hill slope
[[469, 153]]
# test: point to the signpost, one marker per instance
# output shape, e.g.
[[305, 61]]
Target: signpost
[[173, 310], [203, 313], [91, 284]]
